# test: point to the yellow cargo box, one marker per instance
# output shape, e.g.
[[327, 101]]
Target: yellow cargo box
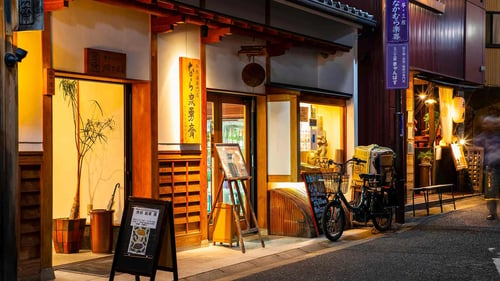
[[369, 153]]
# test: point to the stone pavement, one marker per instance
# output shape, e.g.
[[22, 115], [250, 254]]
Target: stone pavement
[[220, 262]]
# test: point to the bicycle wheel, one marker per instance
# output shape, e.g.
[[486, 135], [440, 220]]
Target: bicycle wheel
[[333, 220], [381, 215]]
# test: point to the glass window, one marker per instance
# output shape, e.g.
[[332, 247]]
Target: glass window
[[493, 30], [321, 135]]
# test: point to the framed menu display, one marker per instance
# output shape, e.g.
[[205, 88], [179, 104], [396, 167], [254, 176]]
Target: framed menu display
[[139, 247], [232, 161]]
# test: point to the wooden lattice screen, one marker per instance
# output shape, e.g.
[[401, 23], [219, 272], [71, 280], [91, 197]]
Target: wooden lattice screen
[[29, 236], [475, 157], [180, 183]]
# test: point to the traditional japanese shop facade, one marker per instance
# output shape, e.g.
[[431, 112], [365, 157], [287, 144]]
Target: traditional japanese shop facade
[[180, 78], [446, 63]]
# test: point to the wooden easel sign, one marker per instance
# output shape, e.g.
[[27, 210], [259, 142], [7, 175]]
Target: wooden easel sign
[[235, 171], [142, 231]]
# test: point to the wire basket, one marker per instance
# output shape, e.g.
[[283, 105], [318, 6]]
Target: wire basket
[[331, 181]]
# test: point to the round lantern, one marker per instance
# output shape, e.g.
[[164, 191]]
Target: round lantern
[[458, 109]]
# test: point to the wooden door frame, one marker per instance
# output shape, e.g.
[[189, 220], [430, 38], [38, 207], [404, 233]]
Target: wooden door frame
[[218, 99]]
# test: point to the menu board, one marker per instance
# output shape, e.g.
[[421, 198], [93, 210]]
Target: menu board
[[316, 193], [232, 161], [142, 231]]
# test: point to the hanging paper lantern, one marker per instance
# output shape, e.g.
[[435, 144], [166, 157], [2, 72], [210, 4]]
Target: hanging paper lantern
[[458, 109], [445, 113]]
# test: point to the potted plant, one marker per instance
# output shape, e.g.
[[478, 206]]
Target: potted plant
[[425, 157], [87, 133]]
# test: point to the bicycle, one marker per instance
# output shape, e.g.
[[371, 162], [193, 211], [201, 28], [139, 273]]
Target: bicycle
[[373, 204]]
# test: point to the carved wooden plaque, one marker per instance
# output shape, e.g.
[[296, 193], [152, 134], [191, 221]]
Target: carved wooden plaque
[[105, 63]]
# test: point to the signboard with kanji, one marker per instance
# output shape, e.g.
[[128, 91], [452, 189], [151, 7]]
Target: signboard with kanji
[[190, 90], [397, 64], [397, 47], [396, 21]]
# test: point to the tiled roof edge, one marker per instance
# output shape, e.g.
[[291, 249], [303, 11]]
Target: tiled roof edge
[[340, 10]]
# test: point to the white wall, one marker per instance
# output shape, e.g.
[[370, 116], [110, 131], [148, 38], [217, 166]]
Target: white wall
[[224, 64], [309, 68], [278, 138], [182, 42], [223, 72], [336, 72], [90, 24], [297, 67]]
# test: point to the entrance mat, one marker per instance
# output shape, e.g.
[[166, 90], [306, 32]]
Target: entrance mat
[[98, 267]]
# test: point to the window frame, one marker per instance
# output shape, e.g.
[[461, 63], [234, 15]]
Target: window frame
[[489, 30]]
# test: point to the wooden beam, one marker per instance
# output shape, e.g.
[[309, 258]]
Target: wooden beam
[[139, 6], [52, 5], [166, 24], [215, 35]]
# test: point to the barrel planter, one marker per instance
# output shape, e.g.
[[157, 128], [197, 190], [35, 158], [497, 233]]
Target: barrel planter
[[67, 234]]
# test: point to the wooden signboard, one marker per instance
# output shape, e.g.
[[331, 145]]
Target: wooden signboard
[[105, 63], [190, 90], [232, 161], [316, 193], [143, 229]]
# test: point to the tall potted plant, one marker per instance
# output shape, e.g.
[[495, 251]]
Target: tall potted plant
[[67, 233]]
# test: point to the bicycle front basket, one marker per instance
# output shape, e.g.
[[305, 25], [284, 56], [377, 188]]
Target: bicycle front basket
[[331, 181]]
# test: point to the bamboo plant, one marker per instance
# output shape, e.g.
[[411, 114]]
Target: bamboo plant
[[87, 133]]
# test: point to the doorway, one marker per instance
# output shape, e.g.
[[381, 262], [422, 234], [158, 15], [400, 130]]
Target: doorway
[[230, 119], [104, 168]]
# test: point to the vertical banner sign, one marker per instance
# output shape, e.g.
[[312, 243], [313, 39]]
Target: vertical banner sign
[[397, 47], [396, 69], [190, 90]]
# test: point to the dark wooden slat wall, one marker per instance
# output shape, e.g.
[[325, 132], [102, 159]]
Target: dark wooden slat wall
[[437, 41], [29, 216], [437, 46]]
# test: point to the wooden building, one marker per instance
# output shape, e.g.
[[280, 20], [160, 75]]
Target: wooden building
[[447, 52], [268, 75]]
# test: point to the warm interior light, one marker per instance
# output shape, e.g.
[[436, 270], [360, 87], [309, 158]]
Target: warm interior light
[[422, 96], [430, 101]]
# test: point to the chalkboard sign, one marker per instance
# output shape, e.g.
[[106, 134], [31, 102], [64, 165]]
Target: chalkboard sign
[[142, 231], [316, 193]]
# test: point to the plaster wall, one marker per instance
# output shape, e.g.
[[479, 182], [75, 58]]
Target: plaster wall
[[224, 64], [29, 89], [91, 24]]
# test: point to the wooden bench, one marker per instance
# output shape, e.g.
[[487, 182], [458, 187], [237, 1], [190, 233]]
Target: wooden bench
[[439, 189]]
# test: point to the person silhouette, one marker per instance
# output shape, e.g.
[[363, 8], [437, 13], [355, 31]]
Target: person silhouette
[[489, 139]]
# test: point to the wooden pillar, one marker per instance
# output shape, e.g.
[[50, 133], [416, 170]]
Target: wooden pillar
[[47, 131], [8, 149]]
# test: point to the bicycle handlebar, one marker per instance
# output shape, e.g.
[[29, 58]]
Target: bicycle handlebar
[[354, 159]]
